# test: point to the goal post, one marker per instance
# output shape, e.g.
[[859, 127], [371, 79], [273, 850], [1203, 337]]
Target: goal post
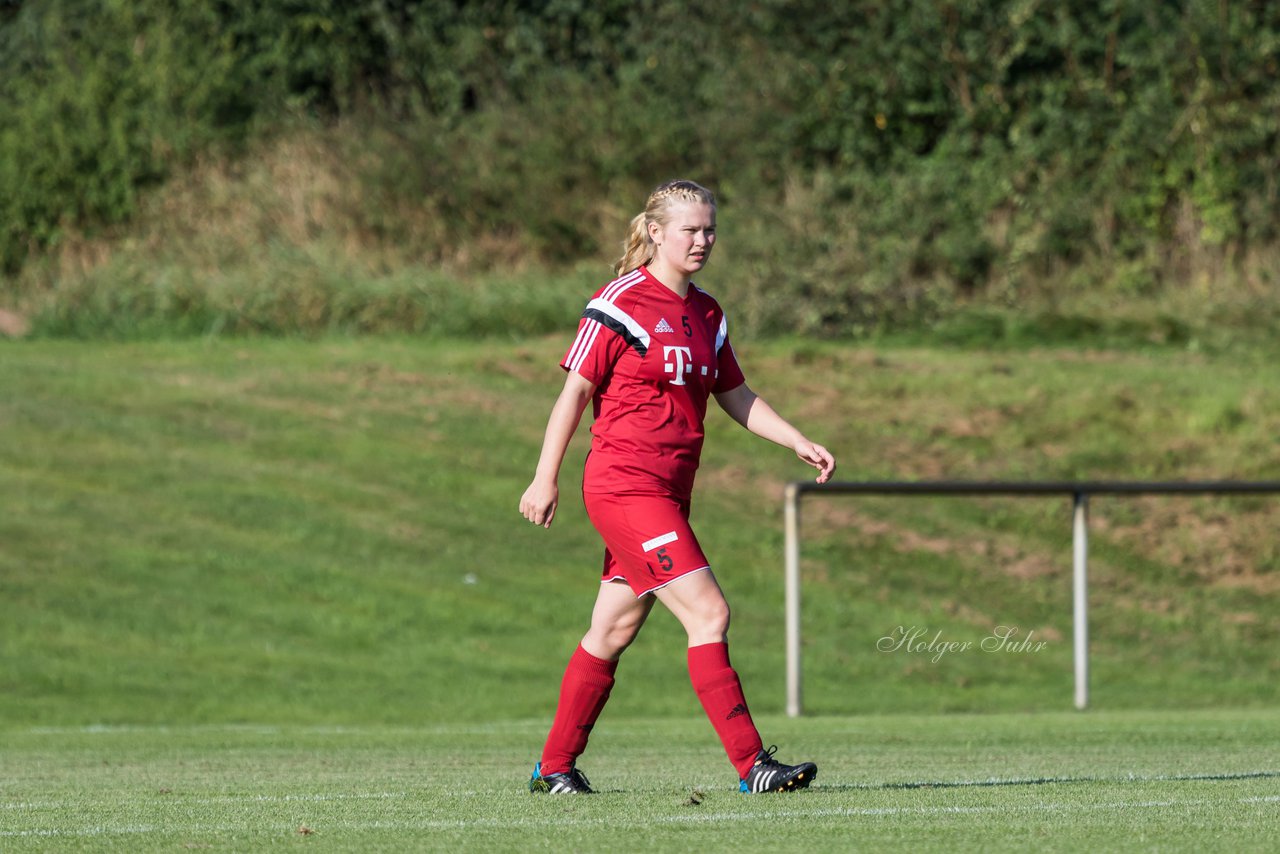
[[1079, 492]]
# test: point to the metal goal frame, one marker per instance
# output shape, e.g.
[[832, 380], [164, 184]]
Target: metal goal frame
[[1079, 492]]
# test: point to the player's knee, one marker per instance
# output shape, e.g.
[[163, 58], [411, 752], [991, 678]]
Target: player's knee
[[621, 636], [713, 618], [614, 638]]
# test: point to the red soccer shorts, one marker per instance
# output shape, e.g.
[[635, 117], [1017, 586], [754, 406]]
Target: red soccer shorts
[[647, 538]]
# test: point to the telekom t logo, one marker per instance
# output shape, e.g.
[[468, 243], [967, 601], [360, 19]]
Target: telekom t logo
[[682, 365]]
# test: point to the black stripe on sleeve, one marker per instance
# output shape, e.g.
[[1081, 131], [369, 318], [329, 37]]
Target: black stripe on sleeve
[[619, 327]]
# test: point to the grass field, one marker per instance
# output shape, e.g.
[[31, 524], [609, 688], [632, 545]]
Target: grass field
[[1132, 781], [248, 587], [291, 532]]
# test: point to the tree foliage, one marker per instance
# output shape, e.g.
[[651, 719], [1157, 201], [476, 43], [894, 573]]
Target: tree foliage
[[882, 156]]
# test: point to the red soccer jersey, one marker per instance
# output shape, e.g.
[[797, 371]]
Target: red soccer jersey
[[655, 359]]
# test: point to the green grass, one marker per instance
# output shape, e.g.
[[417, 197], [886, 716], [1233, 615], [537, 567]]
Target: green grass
[[325, 533], [317, 291], [250, 587], [1116, 781]]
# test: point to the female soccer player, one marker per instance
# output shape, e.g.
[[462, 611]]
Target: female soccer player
[[651, 348]]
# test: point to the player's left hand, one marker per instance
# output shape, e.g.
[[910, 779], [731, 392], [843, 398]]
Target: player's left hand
[[818, 457]]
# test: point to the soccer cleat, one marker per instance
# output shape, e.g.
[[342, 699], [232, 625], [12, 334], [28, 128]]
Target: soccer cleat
[[574, 782], [770, 775]]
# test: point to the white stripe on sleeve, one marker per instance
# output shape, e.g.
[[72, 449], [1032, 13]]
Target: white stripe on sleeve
[[584, 332], [587, 344], [615, 288]]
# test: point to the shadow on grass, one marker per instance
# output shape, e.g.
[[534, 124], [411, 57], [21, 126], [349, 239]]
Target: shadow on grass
[[1040, 781]]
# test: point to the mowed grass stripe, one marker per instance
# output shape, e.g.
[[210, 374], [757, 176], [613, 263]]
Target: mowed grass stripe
[[553, 821], [325, 532], [1199, 780], [327, 797]]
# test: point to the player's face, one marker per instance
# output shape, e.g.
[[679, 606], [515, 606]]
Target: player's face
[[684, 243]]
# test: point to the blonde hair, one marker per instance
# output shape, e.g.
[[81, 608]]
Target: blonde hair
[[638, 249]]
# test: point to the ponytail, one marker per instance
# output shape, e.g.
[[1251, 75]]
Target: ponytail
[[638, 249]]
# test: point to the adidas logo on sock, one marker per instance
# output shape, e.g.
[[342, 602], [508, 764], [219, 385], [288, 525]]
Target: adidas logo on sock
[[738, 710], [663, 326]]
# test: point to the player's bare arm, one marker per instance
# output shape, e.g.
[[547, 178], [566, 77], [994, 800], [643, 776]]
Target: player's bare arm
[[538, 504], [753, 412]]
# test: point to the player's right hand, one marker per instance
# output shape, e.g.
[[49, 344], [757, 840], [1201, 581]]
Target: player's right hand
[[538, 504]]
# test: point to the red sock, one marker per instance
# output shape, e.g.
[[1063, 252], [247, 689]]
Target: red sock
[[583, 693], [717, 686]]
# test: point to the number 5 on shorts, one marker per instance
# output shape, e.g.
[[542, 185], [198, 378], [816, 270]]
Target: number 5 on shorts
[[664, 559]]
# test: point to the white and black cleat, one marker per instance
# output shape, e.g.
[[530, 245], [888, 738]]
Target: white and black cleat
[[572, 782], [770, 775]]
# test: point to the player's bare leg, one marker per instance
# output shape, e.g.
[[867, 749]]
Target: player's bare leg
[[699, 604], [616, 619]]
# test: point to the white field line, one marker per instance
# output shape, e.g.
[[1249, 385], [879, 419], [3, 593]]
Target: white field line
[[280, 799], [1229, 776], [225, 799], [560, 820], [471, 728]]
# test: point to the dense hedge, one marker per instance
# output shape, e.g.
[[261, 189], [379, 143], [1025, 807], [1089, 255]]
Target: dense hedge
[[882, 158]]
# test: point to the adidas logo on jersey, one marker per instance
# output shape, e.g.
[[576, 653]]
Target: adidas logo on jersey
[[662, 326]]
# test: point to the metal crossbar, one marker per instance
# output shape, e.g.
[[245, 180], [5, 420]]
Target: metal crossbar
[[1078, 490]]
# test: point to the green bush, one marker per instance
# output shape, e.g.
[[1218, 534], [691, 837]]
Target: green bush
[[99, 101], [881, 164]]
